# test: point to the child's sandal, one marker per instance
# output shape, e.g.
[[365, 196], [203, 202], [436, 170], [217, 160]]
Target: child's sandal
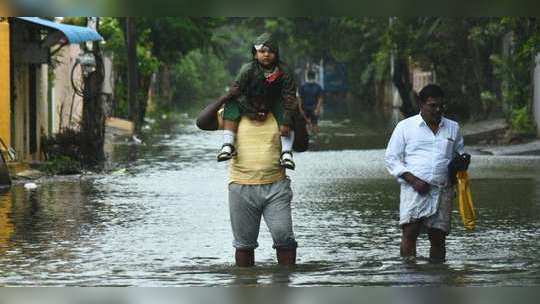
[[224, 154], [287, 162]]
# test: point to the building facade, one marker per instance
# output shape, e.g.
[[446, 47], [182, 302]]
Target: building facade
[[28, 109]]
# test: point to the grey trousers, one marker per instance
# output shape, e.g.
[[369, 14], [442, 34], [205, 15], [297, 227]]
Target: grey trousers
[[247, 203]]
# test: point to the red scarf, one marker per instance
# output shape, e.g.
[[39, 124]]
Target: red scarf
[[273, 77]]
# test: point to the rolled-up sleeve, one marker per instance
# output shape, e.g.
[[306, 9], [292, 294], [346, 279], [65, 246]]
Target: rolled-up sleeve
[[395, 150]]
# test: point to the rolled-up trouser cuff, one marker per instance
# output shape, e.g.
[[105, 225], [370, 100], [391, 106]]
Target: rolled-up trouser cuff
[[245, 246], [292, 244]]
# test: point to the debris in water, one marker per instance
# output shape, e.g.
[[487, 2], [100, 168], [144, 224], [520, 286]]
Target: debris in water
[[30, 186]]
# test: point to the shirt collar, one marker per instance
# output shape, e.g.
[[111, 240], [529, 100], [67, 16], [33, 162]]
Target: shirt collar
[[420, 121]]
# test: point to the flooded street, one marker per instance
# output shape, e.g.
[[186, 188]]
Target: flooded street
[[162, 220]]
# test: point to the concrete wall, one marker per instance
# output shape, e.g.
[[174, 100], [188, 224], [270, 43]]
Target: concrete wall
[[5, 87], [42, 103], [25, 78], [66, 106], [536, 105]]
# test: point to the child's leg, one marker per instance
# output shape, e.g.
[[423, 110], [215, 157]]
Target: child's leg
[[227, 150], [286, 151], [287, 138], [229, 131], [287, 141], [231, 116]]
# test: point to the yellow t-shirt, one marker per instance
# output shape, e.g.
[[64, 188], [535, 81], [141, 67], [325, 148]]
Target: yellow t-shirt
[[259, 148]]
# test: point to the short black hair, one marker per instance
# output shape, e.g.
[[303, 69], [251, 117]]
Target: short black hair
[[431, 90], [310, 74]]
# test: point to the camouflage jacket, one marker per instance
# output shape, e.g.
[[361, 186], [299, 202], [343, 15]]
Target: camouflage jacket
[[256, 93]]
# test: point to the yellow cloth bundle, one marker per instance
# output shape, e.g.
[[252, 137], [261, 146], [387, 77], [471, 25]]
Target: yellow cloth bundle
[[465, 202]]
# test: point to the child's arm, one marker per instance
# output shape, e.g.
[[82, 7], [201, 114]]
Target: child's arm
[[207, 119], [239, 83]]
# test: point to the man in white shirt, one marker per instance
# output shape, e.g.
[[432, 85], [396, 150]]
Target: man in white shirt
[[418, 154]]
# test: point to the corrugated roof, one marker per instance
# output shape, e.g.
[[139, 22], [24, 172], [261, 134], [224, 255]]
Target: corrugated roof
[[73, 33]]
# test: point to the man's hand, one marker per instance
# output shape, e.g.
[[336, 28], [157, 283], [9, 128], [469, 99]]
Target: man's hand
[[285, 130], [317, 111], [418, 185]]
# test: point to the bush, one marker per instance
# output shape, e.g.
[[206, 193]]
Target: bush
[[66, 143], [63, 153], [521, 121], [61, 165]]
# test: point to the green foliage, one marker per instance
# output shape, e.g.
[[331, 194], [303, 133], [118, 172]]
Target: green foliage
[[514, 75], [63, 165], [173, 37], [79, 21], [194, 58], [113, 35], [198, 77], [514, 68], [478, 75], [63, 152], [521, 121]]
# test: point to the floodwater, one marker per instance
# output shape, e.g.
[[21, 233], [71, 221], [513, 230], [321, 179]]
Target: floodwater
[[161, 219]]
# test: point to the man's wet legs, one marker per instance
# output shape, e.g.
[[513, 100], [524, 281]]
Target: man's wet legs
[[409, 236], [245, 257], [437, 251], [286, 256]]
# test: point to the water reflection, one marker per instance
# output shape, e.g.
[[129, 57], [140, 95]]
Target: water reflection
[[161, 219], [6, 225]]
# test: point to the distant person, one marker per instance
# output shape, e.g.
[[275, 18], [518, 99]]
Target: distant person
[[418, 155], [311, 99], [263, 85]]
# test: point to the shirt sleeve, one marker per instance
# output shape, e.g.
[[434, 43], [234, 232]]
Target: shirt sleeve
[[238, 87], [395, 152], [242, 77]]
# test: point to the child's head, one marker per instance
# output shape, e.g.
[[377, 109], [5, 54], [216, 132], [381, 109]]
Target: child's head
[[265, 50]]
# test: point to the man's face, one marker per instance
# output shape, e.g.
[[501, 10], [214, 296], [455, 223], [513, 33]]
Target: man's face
[[432, 109], [265, 56]]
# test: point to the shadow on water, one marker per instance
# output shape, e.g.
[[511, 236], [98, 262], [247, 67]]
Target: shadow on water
[[161, 219]]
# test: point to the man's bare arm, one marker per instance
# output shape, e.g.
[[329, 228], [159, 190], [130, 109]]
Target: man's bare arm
[[207, 119]]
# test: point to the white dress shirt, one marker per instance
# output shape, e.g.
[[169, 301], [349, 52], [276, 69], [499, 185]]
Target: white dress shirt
[[414, 148]]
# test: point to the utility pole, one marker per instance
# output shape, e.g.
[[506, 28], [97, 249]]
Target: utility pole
[[93, 120]]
